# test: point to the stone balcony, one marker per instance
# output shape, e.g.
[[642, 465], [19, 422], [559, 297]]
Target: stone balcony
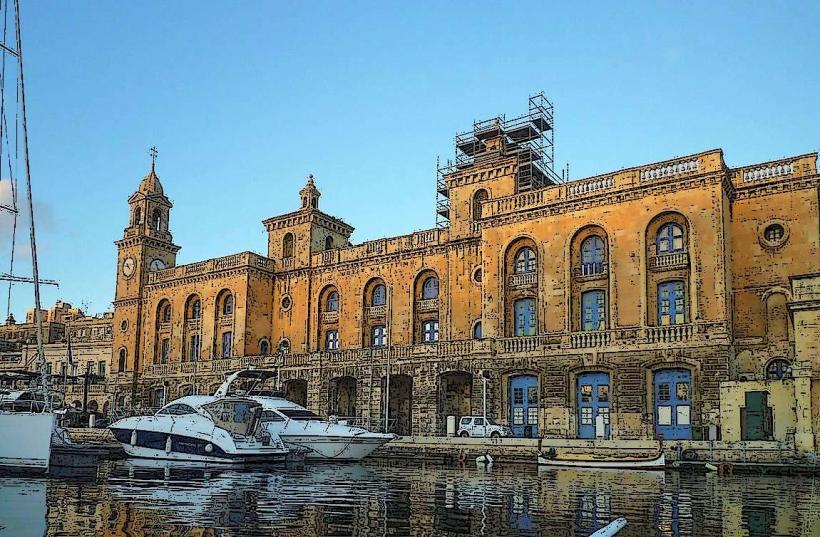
[[164, 327], [375, 312], [673, 261], [590, 271], [240, 260], [193, 324], [520, 281], [329, 317], [225, 320], [424, 306]]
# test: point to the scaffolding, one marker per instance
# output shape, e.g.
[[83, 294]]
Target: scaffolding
[[529, 137]]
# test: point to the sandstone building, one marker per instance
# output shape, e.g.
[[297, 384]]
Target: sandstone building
[[620, 306]]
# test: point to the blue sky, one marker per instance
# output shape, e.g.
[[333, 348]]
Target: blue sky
[[245, 99]]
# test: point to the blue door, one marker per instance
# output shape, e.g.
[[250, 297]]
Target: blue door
[[673, 404], [593, 401], [525, 317], [671, 303], [593, 311], [524, 406]]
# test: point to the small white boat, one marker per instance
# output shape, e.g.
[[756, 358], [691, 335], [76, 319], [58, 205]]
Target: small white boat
[[201, 429], [551, 459], [298, 427]]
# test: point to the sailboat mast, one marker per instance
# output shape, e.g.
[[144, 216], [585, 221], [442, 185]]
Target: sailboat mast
[[35, 272]]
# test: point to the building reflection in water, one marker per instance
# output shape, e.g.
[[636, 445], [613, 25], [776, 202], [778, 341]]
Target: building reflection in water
[[134, 499]]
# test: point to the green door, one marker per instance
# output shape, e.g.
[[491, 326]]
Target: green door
[[756, 417]]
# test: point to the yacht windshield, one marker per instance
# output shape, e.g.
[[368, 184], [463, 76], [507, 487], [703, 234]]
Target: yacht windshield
[[238, 417], [298, 414]]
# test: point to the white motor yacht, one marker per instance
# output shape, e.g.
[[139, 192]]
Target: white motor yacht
[[298, 427], [202, 428]]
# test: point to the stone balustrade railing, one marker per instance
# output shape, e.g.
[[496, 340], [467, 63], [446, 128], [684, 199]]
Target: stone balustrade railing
[[597, 338], [767, 172], [675, 333], [243, 259], [523, 280], [591, 270], [668, 261], [329, 317], [193, 324], [670, 169], [376, 311], [430, 304], [579, 188]]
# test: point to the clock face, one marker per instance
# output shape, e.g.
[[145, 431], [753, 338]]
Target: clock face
[[128, 267], [156, 264]]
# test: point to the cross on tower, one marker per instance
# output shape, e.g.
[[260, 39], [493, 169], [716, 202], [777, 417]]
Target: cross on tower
[[153, 152]]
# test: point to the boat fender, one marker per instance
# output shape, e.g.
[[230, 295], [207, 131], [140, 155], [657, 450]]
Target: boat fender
[[134, 437], [711, 467], [209, 448], [689, 455], [168, 444]]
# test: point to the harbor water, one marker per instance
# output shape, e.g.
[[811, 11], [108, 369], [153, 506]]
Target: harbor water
[[137, 498]]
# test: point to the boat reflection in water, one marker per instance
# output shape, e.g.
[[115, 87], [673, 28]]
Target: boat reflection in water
[[144, 497]]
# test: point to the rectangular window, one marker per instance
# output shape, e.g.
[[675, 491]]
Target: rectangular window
[[518, 416], [603, 393], [429, 330], [586, 393], [532, 395], [682, 391], [664, 415], [586, 416], [227, 344], [332, 340], [379, 336], [663, 392], [532, 415], [165, 351], [518, 396], [525, 317], [604, 413], [479, 421], [671, 303], [683, 414], [101, 368], [193, 348], [593, 311]]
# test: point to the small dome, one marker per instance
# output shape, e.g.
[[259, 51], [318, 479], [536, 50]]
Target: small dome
[[150, 184]]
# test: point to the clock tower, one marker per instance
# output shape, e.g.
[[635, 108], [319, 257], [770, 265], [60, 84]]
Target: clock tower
[[146, 246]]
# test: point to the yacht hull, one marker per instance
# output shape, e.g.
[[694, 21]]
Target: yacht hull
[[26, 440], [336, 448]]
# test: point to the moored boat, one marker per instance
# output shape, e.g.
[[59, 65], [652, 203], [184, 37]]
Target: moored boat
[[201, 429], [552, 459]]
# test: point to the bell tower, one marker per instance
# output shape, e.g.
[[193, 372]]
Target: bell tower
[[146, 246]]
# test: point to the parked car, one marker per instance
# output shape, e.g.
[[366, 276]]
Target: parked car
[[474, 426]]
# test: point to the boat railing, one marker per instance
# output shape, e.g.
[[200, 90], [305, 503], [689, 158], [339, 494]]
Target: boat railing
[[370, 424]]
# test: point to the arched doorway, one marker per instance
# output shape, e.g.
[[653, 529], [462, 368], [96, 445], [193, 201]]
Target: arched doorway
[[400, 406], [454, 396], [296, 391], [673, 404], [523, 395], [342, 401], [593, 397]]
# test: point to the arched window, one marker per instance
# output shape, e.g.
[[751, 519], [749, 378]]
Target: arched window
[[479, 197], [332, 301], [138, 216], [379, 295], [779, 369], [227, 304], [328, 243], [196, 309], [671, 303], [264, 347], [477, 333], [287, 246], [166, 313], [284, 346], [429, 289], [525, 261], [593, 311], [122, 360], [670, 239], [156, 220], [592, 256], [525, 317]]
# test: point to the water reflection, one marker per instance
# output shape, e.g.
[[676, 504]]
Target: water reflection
[[136, 498]]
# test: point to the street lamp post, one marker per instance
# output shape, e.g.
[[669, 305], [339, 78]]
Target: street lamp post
[[484, 379]]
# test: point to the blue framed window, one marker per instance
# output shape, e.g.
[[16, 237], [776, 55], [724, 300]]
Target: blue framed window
[[670, 239], [227, 344], [477, 332], [525, 261], [193, 348], [379, 295], [332, 340], [333, 301], [429, 288], [429, 331], [525, 317], [165, 352], [593, 310], [592, 256], [227, 305], [378, 336], [166, 313], [671, 303]]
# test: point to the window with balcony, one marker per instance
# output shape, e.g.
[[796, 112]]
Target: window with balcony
[[227, 344], [194, 345], [378, 336], [429, 289], [525, 317], [670, 239], [525, 261], [429, 331], [671, 303], [332, 340], [592, 256], [593, 311]]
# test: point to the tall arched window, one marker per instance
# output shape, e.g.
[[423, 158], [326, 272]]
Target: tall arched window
[[328, 243], [671, 303], [264, 347], [429, 289], [379, 295], [670, 239], [193, 308], [525, 261], [156, 220], [122, 360], [227, 304], [332, 301], [479, 197], [138, 216], [592, 256], [477, 332], [525, 317], [287, 246]]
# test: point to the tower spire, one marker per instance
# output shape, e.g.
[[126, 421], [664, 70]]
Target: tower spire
[[153, 152]]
